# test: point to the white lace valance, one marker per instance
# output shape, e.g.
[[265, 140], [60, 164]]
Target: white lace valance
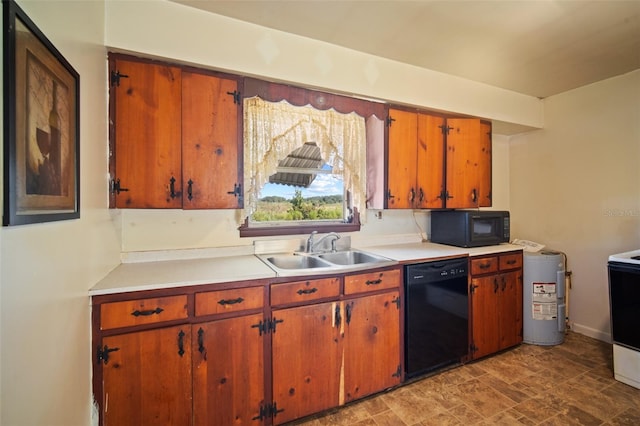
[[272, 130]]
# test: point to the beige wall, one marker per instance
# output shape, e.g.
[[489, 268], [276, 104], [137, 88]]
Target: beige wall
[[575, 186], [46, 269]]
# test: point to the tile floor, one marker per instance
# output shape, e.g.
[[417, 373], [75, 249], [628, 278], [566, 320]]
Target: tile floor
[[568, 384]]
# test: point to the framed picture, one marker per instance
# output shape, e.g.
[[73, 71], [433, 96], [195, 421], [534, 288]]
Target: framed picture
[[41, 125]]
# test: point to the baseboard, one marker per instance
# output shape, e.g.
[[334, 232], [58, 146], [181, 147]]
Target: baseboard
[[591, 332]]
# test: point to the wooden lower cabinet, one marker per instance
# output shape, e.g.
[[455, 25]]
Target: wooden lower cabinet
[[306, 359], [228, 371], [496, 303], [263, 354], [371, 345], [147, 377]]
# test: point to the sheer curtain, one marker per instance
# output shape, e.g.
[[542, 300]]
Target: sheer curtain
[[273, 129]]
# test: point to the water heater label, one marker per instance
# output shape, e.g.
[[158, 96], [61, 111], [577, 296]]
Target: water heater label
[[545, 302]]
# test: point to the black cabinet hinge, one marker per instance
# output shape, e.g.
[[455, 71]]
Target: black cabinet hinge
[[103, 353], [472, 288], [267, 326], [396, 301], [268, 410], [473, 348], [116, 187], [115, 78], [236, 96], [237, 190], [445, 129], [390, 121], [398, 372]]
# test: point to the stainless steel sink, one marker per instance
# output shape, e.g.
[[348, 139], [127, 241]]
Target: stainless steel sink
[[350, 257], [292, 261], [293, 264]]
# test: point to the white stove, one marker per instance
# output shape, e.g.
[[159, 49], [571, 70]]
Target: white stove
[[624, 300], [626, 257]]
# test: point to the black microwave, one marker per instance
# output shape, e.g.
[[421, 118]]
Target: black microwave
[[470, 228]]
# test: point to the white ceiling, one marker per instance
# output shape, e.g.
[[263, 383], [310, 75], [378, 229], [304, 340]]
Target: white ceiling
[[535, 47]]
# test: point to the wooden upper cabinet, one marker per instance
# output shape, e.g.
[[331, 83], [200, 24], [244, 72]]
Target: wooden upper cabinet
[[415, 160], [145, 111], [430, 162], [485, 194], [402, 164], [175, 136], [210, 150], [463, 158]]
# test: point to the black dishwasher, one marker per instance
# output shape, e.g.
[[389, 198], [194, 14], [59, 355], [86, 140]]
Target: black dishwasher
[[437, 315]]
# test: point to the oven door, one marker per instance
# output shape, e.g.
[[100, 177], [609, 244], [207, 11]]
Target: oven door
[[624, 297]]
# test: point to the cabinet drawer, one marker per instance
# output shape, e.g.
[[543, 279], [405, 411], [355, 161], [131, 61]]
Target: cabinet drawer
[[484, 265], [510, 261], [302, 291], [372, 281], [143, 311], [232, 300]]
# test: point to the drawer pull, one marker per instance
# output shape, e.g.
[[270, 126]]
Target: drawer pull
[[147, 313], [511, 262], [484, 265], [224, 302], [307, 291], [373, 282]]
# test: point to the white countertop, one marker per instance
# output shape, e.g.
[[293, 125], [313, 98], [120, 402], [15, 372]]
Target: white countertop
[[179, 273], [162, 274], [419, 252]]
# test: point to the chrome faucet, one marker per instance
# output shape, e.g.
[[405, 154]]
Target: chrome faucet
[[311, 244]]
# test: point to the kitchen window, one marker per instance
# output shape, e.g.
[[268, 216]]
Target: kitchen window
[[294, 145]]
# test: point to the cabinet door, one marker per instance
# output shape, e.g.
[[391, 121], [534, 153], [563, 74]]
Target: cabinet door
[[306, 351], [210, 147], [401, 182], [510, 307], [485, 328], [430, 157], [147, 378], [463, 156], [484, 167], [228, 371], [371, 345], [147, 135]]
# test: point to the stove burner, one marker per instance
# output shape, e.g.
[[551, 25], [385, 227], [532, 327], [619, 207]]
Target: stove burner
[[635, 257]]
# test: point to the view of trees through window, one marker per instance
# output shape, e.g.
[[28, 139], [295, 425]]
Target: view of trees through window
[[322, 200]]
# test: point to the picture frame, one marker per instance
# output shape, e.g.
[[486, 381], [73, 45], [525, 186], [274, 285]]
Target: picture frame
[[41, 176]]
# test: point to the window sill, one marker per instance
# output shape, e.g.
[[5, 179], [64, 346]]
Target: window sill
[[267, 231]]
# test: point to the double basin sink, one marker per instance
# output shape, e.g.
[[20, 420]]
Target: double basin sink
[[299, 263]]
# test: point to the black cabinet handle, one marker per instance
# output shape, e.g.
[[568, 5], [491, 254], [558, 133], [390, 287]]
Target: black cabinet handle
[[338, 316], [190, 190], [172, 189], [146, 313], [230, 301], [348, 309], [413, 195], [474, 195], [484, 266], [495, 285], [307, 291], [201, 340], [181, 343], [373, 282], [421, 196]]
